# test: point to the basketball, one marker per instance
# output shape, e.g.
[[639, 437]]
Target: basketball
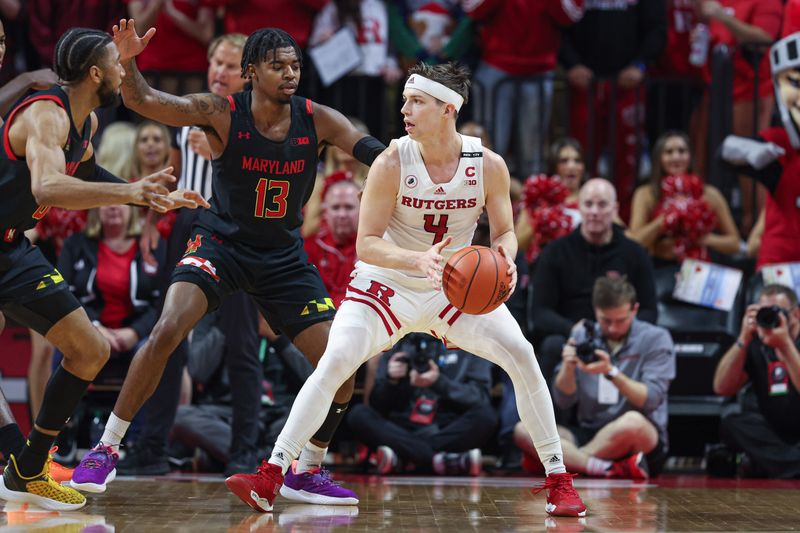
[[475, 280]]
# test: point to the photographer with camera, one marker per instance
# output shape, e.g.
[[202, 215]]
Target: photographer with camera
[[766, 354], [617, 371], [429, 410]]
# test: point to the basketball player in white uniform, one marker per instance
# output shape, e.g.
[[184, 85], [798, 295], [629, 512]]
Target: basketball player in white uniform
[[421, 203]]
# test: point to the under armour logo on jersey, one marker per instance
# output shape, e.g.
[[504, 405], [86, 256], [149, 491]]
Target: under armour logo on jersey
[[300, 141], [440, 190], [411, 181], [244, 134]]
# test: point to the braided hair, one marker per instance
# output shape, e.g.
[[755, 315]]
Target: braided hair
[[262, 42], [76, 51]]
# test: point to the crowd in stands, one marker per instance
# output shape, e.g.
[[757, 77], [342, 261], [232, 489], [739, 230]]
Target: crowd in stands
[[614, 186]]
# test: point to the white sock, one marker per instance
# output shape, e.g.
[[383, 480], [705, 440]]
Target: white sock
[[281, 457], [114, 431], [310, 458], [596, 466], [550, 454]]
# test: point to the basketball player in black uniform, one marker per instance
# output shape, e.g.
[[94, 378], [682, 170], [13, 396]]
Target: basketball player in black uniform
[[46, 138], [265, 145]]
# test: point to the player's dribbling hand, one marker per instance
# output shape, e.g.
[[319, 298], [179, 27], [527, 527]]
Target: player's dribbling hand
[[129, 44], [512, 270], [430, 263], [187, 198]]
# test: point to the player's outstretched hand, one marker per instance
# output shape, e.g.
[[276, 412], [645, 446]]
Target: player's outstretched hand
[[128, 42], [187, 198], [430, 263], [512, 270], [150, 191]]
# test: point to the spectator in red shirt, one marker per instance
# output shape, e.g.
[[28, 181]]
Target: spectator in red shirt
[[49, 19], [185, 28], [519, 40], [333, 248], [295, 17]]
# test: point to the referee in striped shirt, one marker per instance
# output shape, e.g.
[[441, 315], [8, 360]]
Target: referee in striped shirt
[[191, 158]]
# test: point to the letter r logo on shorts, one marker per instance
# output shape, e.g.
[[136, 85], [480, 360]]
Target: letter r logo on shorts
[[380, 291]]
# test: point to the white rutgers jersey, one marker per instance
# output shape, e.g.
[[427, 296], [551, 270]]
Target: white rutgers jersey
[[426, 212]]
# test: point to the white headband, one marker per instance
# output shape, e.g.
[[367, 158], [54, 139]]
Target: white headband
[[435, 89]]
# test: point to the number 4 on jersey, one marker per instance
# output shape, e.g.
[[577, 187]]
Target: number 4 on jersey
[[439, 229]]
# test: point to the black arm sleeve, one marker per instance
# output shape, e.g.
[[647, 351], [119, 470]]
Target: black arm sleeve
[[367, 149]]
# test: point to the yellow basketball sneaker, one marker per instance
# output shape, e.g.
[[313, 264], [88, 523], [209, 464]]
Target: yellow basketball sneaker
[[40, 490]]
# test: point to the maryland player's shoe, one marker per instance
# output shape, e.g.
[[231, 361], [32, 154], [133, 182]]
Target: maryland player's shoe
[[40, 490], [562, 498], [258, 490], [316, 486], [59, 473], [97, 468]]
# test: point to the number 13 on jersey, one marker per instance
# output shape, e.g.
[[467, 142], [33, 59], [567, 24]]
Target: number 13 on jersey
[[278, 208]]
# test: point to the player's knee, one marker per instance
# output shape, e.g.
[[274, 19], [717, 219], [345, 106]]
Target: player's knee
[[89, 350], [166, 334]]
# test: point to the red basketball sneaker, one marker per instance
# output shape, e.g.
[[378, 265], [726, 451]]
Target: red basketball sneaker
[[632, 467], [562, 498], [258, 490]]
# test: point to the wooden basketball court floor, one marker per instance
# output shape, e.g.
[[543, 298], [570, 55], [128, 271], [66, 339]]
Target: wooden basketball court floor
[[190, 503]]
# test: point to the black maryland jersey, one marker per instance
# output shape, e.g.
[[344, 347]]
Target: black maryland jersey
[[260, 186], [18, 208]]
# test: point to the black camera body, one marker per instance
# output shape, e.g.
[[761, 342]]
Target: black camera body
[[421, 349], [769, 317], [585, 349]]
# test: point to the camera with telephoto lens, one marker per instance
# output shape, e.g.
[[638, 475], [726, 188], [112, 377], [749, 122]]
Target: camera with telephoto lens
[[421, 349], [585, 349], [769, 317]]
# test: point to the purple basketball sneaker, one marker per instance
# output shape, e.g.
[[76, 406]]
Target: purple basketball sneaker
[[97, 468], [316, 486]]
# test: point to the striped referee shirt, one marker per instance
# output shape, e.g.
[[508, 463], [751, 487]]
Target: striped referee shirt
[[195, 170]]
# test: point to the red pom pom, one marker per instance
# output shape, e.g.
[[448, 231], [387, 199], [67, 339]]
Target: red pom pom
[[687, 215]]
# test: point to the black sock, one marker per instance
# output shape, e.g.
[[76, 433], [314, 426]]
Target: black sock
[[335, 416], [11, 440], [34, 454], [61, 397]]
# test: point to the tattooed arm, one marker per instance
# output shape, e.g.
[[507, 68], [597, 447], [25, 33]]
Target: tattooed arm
[[206, 110]]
